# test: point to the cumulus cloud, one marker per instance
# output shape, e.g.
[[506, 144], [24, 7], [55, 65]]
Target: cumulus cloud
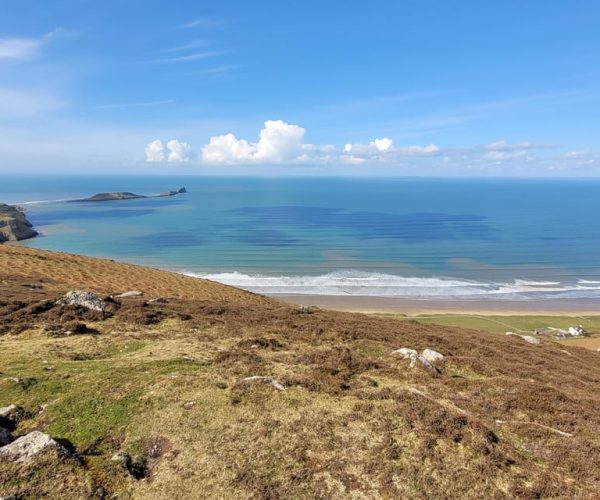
[[155, 151], [178, 151], [383, 150], [279, 142]]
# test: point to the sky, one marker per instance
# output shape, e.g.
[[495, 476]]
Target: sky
[[378, 88]]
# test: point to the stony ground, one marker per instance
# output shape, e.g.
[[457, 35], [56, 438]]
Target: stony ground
[[148, 400]]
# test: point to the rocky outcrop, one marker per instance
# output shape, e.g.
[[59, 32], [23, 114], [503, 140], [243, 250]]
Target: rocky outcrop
[[126, 195], [30, 445], [123, 195], [428, 358], [14, 225], [181, 190]]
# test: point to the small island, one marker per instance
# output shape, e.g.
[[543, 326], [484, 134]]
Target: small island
[[126, 195], [14, 225]]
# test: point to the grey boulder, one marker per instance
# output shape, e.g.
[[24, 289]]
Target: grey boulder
[[30, 445], [89, 300]]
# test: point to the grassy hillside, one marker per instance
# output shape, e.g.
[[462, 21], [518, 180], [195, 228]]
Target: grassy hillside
[[164, 384]]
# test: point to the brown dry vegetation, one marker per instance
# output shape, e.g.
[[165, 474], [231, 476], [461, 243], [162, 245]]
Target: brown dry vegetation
[[503, 419]]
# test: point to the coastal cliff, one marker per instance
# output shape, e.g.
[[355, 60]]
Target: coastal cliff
[[126, 195], [14, 225]]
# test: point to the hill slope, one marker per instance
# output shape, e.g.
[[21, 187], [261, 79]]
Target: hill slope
[[162, 384]]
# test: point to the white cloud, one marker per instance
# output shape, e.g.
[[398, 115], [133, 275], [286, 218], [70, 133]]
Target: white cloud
[[22, 49], [384, 150], [155, 151], [25, 49], [178, 151], [383, 144], [507, 146], [500, 155], [279, 142]]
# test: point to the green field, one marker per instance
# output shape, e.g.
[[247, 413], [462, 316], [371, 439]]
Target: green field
[[502, 324]]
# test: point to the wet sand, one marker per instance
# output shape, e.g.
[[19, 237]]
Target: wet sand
[[566, 307]]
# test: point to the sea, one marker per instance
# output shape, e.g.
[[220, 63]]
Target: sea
[[401, 237]]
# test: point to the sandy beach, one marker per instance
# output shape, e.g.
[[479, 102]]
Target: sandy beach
[[563, 307]]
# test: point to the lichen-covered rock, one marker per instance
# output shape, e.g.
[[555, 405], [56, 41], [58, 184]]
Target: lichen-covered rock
[[30, 445], [89, 300]]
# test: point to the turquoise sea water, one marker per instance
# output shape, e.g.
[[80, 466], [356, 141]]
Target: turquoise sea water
[[385, 237]]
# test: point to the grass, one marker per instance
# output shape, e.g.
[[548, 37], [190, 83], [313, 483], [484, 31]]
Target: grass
[[503, 323]]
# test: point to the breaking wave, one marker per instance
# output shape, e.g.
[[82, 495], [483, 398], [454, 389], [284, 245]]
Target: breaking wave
[[360, 283]]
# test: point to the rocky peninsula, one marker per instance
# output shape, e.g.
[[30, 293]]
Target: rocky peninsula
[[126, 195], [14, 225]]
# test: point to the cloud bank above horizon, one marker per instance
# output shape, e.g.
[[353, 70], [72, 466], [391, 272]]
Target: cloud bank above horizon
[[282, 143]]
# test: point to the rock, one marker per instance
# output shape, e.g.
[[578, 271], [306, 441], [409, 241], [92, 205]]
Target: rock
[[428, 358], [257, 379], [181, 190], [89, 300], [158, 301], [5, 436], [11, 415], [432, 356], [14, 225], [527, 338], [122, 195], [121, 456], [188, 405], [30, 445], [132, 293], [407, 353], [11, 412]]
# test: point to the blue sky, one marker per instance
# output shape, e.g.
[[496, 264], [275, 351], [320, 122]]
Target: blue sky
[[457, 88]]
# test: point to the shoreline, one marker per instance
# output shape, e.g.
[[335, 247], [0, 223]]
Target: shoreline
[[413, 307]]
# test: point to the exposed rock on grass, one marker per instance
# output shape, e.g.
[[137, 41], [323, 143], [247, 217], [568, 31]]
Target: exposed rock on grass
[[11, 415], [30, 445], [132, 293], [81, 298], [257, 379], [428, 358], [527, 338]]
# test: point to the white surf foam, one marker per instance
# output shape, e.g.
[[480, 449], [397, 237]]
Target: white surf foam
[[360, 283]]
